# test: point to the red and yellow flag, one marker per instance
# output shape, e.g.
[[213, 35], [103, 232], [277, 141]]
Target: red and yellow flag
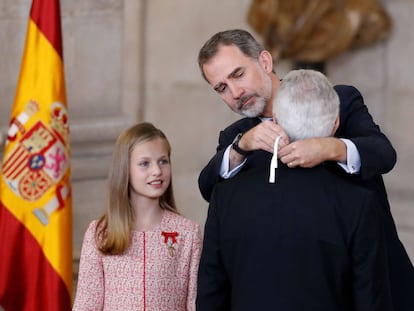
[[35, 193]]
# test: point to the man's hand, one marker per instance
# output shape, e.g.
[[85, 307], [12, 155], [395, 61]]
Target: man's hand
[[263, 136], [313, 151]]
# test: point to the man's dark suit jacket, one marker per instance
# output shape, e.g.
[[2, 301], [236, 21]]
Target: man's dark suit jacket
[[310, 241], [377, 157]]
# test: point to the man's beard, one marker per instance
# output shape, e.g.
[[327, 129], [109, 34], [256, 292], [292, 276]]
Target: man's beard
[[254, 110]]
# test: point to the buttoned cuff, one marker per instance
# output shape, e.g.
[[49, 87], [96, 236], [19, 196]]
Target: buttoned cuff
[[224, 169], [353, 159]]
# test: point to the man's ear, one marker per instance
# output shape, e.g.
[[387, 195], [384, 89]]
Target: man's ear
[[274, 118], [336, 125], [265, 59]]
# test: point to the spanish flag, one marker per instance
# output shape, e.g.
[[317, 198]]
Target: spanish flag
[[35, 193]]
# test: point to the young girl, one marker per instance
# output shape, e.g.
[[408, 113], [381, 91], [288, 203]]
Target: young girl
[[141, 254]]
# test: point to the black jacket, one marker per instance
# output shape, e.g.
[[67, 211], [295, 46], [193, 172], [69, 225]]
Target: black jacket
[[311, 241]]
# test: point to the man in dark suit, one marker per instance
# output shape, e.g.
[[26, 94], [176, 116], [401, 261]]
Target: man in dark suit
[[309, 240], [241, 72]]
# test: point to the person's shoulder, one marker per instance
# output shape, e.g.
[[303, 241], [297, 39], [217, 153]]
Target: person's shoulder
[[349, 185], [89, 236], [253, 179], [346, 91], [184, 223], [91, 227], [354, 200], [251, 176]]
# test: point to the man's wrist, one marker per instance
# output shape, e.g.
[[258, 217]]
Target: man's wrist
[[338, 151], [235, 146]]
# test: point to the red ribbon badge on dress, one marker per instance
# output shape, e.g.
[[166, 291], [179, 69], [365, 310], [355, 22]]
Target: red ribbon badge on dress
[[170, 238]]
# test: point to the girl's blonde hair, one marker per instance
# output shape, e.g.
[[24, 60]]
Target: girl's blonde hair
[[113, 229]]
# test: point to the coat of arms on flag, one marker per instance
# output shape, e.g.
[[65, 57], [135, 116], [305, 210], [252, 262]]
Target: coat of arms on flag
[[39, 159]]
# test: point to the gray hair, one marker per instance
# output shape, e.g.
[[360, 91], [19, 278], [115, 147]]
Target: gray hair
[[306, 105], [238, 37]]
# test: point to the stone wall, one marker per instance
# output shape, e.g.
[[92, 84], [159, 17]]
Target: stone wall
[[134, 60]]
